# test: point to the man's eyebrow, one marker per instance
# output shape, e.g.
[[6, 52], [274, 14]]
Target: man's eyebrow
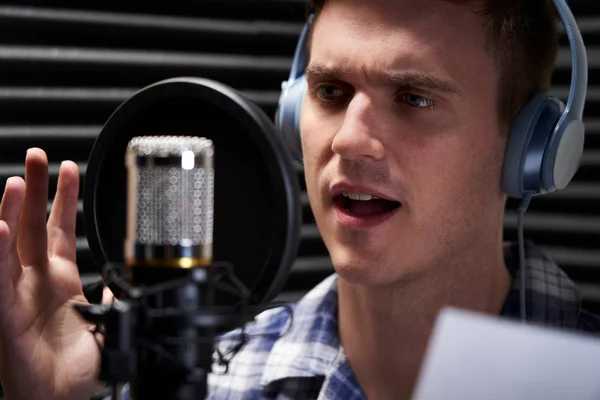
[[387, 78], [416, 80], [321, 71]]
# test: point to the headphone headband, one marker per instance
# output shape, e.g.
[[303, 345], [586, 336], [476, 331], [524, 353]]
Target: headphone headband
[[300, 61], [579, 74]]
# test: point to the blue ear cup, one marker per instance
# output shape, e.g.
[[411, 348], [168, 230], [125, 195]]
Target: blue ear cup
[[287, 116], [545, 145], [537, 162], [526, 145]]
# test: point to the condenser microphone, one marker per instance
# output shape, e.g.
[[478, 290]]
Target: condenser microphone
[[169, 234]]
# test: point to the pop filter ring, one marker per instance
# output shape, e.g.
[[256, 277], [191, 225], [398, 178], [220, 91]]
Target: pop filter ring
[[263, 134]]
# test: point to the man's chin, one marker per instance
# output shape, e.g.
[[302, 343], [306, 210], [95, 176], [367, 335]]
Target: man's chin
[[376, 274], [364, 274]]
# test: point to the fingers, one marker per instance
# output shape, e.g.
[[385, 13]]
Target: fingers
[[62, 222], [10, 211], [9, 269], [32, 240]]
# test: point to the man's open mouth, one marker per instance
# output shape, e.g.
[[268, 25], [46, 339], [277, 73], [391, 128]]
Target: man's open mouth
[[364, 205]]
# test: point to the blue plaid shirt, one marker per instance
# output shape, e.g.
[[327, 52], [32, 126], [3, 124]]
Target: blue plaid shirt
[[298, 355]]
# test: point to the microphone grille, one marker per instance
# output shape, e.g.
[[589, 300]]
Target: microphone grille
[[168, 146], [174, 190]]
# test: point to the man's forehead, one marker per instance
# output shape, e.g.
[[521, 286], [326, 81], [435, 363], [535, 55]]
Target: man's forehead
[[426, 15], [411, 49], [419, 34]]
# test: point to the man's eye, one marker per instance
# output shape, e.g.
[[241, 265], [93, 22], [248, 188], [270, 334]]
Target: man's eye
[[414, 100], [329, 92]]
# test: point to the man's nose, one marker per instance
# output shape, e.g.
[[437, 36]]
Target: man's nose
[[357, 137]]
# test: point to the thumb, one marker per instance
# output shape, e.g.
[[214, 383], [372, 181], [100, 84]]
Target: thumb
[[108, 296]]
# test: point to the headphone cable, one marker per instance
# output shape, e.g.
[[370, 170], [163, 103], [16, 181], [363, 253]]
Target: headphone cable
[[521, 214]]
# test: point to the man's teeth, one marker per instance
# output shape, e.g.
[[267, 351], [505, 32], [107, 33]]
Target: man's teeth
[[358, 196]]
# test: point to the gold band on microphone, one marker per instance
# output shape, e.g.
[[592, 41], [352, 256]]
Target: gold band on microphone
[[182, 262]]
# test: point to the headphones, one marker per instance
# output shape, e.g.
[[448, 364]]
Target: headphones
[[545, 144]]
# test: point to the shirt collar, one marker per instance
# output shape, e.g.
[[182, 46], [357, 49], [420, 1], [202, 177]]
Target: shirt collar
[[552, 298], [311, 348]]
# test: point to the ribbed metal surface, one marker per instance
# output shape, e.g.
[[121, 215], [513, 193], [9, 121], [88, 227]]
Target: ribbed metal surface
[[66, 65]]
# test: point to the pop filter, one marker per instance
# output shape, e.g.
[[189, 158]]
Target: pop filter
[[257, 211]]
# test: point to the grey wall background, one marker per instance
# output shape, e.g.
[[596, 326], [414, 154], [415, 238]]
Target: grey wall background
[[65, 65]]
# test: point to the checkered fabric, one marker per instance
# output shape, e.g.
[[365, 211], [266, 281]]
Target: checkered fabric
[[297, 355]]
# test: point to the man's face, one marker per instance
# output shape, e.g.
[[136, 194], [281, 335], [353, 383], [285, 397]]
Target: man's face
[[401, 105]]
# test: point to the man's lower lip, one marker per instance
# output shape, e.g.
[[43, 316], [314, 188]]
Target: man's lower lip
[[345, 218]]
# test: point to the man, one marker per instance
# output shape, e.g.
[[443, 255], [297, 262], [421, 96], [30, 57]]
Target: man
[[410, 102]]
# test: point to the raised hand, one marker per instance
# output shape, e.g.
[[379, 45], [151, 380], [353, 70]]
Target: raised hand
[[46, 349]]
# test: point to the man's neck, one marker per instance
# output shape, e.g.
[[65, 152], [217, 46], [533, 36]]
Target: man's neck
[[385, 332]]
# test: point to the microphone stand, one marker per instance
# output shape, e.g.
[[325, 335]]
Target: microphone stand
[[160, 337]]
